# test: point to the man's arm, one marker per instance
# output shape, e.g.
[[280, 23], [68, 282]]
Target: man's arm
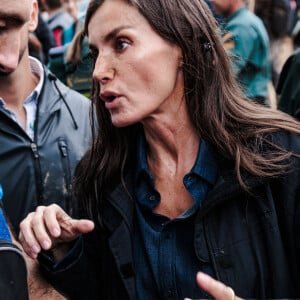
[[38, 287]]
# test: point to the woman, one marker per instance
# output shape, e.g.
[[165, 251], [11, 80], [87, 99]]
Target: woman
[[184, 175]]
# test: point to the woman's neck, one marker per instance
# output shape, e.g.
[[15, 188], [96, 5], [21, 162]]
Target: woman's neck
[[172, 146]]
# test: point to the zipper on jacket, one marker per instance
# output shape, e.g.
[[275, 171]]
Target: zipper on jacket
[[38, 174], [34, 150], [63, 147]]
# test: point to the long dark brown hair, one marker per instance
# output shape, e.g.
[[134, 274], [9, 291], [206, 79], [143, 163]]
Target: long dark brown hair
[[218, 110]]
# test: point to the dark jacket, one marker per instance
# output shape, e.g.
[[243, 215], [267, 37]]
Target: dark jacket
[[39, 172], [252, 239], [288, 86]]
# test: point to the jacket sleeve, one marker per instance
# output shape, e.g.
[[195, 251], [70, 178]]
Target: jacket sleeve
[[288, 86], [76, 275], [287, 192]]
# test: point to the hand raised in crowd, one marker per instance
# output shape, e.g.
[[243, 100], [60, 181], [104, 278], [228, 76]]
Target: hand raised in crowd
[[50, 228]]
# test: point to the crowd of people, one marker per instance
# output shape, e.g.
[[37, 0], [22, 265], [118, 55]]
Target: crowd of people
[[143, 154]]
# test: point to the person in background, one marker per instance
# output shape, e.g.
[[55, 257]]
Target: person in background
[[218, 17], [277, 18], [71, 6], [295, 26], [45, 126], [185, 174], [246, 40], [58, 18], [72, 63], [41, 41]]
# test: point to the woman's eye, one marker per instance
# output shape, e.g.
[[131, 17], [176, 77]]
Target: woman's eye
[[93, 54], [121, 44]]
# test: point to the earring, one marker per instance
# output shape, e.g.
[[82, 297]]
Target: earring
[[207, 47]]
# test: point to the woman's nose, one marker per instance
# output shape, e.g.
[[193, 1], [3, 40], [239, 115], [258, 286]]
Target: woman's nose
[[103, 70]]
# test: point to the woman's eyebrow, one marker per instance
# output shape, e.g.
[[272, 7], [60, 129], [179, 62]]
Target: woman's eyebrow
[[111, 35]]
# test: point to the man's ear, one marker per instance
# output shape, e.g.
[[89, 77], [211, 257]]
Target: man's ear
[[33, 22]]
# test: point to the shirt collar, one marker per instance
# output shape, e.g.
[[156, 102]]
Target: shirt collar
[[37, 69], [206, 164], [142, 164]]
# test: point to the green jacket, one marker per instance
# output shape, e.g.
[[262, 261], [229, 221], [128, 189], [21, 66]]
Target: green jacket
[[76, 76], [247, 42]]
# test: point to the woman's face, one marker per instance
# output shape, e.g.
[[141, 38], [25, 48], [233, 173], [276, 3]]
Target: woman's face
[[138, 71]]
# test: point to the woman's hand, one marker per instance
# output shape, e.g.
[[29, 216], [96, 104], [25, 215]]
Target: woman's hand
[[216, 289], [48, 228]]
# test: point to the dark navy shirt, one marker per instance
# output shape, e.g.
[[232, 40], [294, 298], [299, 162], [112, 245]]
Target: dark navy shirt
[[164, 256]]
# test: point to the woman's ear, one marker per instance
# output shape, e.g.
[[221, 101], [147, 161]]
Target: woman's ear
[[181, 63], [180, 57], [33, 22]]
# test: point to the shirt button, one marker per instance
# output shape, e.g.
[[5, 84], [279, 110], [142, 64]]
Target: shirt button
[[167, 235], [171, 293], [152, 198]]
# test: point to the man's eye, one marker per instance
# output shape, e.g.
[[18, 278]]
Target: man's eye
[[3, 25], [121, 44], [3, 29]]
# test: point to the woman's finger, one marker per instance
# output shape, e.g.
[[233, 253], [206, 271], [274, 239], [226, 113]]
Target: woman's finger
[[40, 229], [27, 237], [54, 217]]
